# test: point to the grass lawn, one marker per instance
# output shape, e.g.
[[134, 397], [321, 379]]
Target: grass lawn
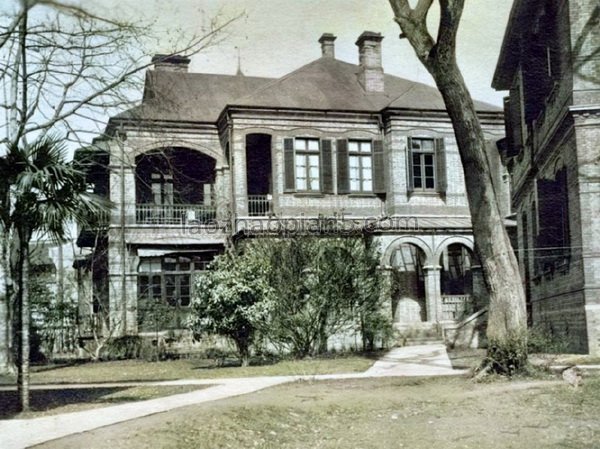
[[138, 370], [54, 401], [384, 413]]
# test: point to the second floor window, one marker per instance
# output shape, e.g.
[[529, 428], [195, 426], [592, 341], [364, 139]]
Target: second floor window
[[423, 164], [427, 165], [360, 158], [307, 164]]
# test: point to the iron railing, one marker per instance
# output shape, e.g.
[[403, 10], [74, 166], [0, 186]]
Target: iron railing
[[259, 205], [456, 307], [175, 214]]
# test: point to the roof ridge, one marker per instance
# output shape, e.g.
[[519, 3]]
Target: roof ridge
[[280, 79]]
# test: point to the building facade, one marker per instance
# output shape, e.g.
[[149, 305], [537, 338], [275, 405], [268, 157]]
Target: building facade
[[331, 147], [550, 65]]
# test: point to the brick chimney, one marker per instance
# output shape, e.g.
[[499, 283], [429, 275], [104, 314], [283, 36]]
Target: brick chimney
[[327, 45], [370, 75], [171, 63]]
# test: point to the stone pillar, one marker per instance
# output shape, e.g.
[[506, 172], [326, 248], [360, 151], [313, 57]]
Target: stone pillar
[[386, 291], [223, 195], [122, 291], [240, 190], [129, 194], [433, 293]]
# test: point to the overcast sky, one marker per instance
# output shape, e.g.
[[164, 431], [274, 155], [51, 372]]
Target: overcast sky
[[278, 36]]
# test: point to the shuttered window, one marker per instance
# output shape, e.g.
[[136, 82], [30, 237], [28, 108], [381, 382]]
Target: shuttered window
[[427, 165], [422, 163], [307, 163], [360, 166]]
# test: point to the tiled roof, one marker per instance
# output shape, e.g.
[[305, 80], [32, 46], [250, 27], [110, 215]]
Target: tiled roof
[[330, 84], [324, 84], [194, 97]]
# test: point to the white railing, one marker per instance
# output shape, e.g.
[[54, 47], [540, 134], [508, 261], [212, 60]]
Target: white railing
[[455, 307], [175, 214], [259, 205]]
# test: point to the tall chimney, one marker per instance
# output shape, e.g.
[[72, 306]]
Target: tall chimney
[[327, 45], [171, 63], [370, 75]]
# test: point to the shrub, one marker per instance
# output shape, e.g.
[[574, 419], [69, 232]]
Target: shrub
[[541, 339], [121, 348]]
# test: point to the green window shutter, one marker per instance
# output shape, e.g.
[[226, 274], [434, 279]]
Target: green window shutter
[[440, 166], [343, 179], [409, 165], [515, 119], [378, 167], [508, 129], [326, 167], [289, 169]]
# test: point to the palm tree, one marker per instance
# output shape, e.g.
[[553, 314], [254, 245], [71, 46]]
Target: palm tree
[[39, 192]]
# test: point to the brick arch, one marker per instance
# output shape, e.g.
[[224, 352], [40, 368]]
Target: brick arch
[[386, 259], [217, 155], [466, 241]]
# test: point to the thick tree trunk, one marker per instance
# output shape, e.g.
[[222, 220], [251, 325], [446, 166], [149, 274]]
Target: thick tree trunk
[[507, 304], [507, 319]]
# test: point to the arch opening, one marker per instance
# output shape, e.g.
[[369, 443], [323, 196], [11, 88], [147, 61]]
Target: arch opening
[[175, 186], [408, 284]]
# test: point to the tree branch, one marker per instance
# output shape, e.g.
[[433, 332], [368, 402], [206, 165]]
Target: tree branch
[[413, 24], [451, 12]]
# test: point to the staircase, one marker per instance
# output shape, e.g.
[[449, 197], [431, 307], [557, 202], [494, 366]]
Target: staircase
[[416, 334]]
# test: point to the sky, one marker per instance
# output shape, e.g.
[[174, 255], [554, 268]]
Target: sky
[[275, 37]]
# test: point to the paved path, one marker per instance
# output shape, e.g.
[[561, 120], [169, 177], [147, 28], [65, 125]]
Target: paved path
[[430, 360]]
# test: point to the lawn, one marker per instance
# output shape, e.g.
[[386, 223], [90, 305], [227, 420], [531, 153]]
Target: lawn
[[384, 413], [138, 370], [52, 401]]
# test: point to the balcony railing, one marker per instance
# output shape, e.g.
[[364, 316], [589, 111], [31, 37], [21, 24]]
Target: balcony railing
[[175, 214], [456, 307], [259, 205]]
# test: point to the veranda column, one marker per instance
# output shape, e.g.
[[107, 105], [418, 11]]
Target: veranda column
[[240, 189], [433, 293], [222, 194]]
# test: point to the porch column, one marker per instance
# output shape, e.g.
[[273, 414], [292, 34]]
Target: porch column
[[386, 292], [122, 292], [240, 189], [433, 293], [222, 194]]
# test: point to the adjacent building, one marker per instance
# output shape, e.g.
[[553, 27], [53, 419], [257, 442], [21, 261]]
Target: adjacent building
[[550, 65], [331, 147]]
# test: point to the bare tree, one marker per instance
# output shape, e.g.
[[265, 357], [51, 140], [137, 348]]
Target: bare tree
[[63, 68], [507, 322]]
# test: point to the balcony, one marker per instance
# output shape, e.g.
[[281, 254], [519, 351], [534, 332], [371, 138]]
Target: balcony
[[175, 214], [260, 205], [456, 307]]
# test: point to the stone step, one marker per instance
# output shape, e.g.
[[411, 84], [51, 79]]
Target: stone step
[[417, 341]]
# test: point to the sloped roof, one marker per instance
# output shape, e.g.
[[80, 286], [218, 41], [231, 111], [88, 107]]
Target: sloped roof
[[330, 84], [324, 84], [194, 97]]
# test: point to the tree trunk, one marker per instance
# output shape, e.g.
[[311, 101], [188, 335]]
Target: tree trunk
[[6, 360], [23, 366], [507, 318]]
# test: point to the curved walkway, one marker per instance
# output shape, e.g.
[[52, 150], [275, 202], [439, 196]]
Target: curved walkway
[[429, 360]]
